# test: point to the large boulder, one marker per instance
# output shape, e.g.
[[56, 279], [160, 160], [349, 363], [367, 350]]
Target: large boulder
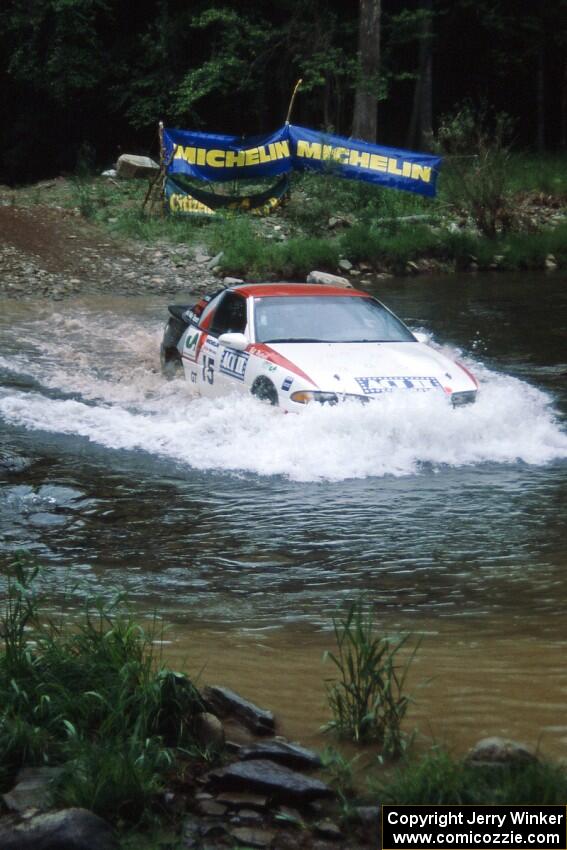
[[209, 730], [266, 777], [129, 165], [499, 751], [227, 703], [327, 279], [292, 755], [32, 790], [69, 829]]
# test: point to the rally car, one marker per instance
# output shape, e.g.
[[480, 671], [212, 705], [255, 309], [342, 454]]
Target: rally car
[[294, 344]]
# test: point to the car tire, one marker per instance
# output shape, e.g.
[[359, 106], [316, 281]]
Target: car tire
[[264, 390], [170, 360]]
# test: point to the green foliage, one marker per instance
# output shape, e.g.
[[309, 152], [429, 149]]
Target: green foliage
[[57, 45], [367, 701], [118, 778], [236, 41], [339, 772], [544, 173], [391, 247], [93, 697], [439, 779], [476, 178], [246, 253]]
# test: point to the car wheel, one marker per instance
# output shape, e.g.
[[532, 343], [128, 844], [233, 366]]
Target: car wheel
[[171, 365], [263, 389]]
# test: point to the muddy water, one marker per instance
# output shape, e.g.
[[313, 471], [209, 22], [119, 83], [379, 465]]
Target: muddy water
[[245, 530]]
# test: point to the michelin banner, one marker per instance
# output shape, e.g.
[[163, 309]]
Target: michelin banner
[[182, 199], [216, 158]]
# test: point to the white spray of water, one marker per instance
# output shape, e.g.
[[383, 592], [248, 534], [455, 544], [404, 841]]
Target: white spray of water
[[121, 401]]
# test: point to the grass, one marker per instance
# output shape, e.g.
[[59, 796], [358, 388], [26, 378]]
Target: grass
[[440, 779], [93, 698], [367, 700], [372, 223]]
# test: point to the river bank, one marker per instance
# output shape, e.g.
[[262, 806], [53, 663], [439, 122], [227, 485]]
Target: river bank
[[104, 745], [71, 236]]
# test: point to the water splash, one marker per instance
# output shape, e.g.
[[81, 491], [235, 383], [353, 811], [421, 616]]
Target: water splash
[[102, 373]]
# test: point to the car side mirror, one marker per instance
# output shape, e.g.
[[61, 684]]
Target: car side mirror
[[234, 340], [421, 337]]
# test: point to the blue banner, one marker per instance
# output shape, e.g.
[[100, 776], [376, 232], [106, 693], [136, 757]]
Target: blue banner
[[216, 158]]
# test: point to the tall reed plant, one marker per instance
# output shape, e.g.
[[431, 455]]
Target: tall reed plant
[[368, 699]]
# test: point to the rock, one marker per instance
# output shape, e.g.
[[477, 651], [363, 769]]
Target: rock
[[291, 755], [345, 265], [499, 751], [236, 799], [336, 221], [368, 815], [412, 268], [269, 778], [32, 789], [201, 257], [13, 462], [550, 263], [129, 166], [209, 730], [253, 837], [225, 702], [249, 816], [327, 829], [232, 281], [191, 834], [110, 172], [327, 279], [212, 264], [211, 808], [69, 829], [369, 818]]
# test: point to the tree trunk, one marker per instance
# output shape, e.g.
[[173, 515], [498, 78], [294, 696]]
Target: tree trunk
[[365, 120], [421, 121], [540, 98], [563, 130], [426, 88]]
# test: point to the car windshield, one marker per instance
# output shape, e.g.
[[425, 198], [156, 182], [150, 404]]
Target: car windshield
[[327, 318]]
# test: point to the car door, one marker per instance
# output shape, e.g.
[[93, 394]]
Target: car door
[[230, 366], [213, 369]]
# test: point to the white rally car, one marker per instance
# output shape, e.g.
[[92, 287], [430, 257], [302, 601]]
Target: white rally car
[[293, 343]]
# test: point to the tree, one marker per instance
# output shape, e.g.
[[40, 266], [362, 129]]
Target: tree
[[365, 119], [421, 122]]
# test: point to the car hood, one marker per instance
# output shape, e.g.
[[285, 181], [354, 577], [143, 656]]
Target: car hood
[[360, 367]]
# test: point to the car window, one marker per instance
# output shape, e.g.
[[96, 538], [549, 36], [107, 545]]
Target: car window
[[204, 319], [230, 315], [326, 319]]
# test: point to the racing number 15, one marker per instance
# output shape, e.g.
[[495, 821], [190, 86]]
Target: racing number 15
[[208, 369]]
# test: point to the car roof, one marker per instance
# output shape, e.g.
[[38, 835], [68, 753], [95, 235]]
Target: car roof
[[266, 290]]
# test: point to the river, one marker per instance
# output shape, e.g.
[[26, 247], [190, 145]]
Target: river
[[244, 531]]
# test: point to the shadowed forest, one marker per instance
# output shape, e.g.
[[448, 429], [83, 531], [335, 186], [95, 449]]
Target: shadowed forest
[[84, 80]]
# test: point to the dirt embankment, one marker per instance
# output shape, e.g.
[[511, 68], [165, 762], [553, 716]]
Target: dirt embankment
[[51, 253]]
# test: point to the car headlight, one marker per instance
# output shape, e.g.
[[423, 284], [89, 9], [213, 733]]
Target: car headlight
[[459, 399], [307, 396]]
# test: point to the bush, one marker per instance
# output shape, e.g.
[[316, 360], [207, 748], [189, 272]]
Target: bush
[[394, 247], [368, 700], [475, 176], [95, 698], [438, 779]]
